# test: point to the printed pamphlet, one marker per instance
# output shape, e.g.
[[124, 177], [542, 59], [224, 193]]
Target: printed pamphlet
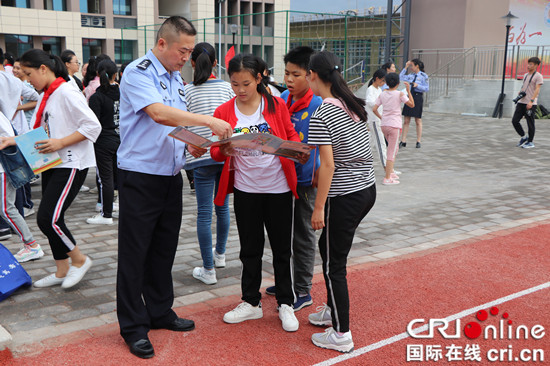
[[38, 162]]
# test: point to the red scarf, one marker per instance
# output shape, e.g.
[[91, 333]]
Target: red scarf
[[301, 103], [47, 92]]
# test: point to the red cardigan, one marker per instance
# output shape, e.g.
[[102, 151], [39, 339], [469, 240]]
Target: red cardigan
[[280, 126]]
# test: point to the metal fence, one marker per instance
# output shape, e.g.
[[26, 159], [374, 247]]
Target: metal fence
[[449, 69], [358, 38]]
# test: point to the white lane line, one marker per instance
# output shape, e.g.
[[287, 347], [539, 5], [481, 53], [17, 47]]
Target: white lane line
[[399, 337]]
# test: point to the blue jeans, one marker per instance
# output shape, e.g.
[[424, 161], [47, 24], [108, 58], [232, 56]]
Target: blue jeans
[[207, 179]]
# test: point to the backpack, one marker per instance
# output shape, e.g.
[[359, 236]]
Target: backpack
[[12, 274]]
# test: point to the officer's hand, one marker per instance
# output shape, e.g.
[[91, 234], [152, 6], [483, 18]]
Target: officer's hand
[[220, 128]]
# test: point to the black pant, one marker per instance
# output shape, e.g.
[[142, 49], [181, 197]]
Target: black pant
[[520, 112], [148, 232], [59, 188], [105, 156], [342, 216], [252, 212]]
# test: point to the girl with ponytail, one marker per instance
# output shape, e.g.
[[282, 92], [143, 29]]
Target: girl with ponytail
[[72, 128], [346, 191], [203, 96], [105, 104], [263, 187]]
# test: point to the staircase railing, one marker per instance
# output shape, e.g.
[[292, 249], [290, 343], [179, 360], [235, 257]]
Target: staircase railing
[[454, 66]]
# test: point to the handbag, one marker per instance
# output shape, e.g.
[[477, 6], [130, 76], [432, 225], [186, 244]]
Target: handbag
[[12, 274], [15, 166]]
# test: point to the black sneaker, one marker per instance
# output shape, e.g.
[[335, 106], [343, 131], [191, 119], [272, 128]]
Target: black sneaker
[[402, 144], [5, 234], [522, 141], [418, 145], [270, 290]]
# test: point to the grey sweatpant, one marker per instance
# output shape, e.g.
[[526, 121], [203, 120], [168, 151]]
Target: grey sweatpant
[[304, 241], [10, 212]]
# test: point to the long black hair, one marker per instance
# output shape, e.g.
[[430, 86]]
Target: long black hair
[[35, 58], [255, 66], [328, 68], [204, 56], [378, 74], [106, 69], [67, 55], [91, 71], [418, 63]]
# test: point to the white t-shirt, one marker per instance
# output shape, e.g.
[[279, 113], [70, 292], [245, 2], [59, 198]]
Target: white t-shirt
[[6, 130], [370, 100], [256, 172]]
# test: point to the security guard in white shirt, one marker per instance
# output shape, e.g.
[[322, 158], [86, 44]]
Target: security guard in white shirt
[[152, 103]]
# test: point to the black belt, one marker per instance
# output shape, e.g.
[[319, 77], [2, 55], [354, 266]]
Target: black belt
[[416, 93]]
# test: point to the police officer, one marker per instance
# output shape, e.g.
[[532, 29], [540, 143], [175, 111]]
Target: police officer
[[152, 103]]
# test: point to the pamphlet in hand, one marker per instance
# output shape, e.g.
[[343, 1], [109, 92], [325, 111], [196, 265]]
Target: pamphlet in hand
[[27, 144], [269, 144]]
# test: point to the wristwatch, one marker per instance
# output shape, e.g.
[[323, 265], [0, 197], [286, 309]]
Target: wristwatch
[[532, 101]]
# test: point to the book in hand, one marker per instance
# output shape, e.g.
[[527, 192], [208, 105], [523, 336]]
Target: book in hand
[[269, 144], [27, 144]]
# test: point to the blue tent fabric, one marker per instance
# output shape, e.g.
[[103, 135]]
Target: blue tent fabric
[[12, 274]]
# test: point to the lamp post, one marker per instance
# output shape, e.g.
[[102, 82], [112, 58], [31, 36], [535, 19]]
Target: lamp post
[[497, 112], [233, 28], [220, 37]]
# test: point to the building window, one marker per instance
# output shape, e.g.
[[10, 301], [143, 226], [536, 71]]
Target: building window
[[125, 51], [17, 44], [90, 6], [122, 7], [17, 3], [90, 47], [52, 45], [57, 5]]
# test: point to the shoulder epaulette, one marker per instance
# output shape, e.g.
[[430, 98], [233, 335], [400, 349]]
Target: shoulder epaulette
[[144, 64]]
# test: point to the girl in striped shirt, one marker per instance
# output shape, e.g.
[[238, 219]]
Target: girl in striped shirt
[[346, 191]]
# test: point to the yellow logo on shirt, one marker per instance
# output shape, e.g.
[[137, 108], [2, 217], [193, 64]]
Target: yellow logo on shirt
[[301, 136], [304, 115]]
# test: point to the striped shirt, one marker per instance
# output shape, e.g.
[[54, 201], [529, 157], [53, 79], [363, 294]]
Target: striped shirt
[[204, 99], [331, 125]]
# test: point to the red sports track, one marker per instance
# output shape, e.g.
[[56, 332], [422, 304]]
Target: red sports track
[[503, 276]]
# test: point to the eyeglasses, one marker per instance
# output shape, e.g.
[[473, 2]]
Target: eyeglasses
[[75, 62]]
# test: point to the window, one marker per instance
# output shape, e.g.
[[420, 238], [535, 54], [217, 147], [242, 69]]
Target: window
[[52, 45], [122, 7], [125, 51], [90, 47], [18, 45], [57, 5], [90, 6], [17, 3]]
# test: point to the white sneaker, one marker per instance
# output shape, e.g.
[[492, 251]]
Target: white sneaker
[[100, 220], [204, 275], [49, 281], [243, 311], [288, 318], [322, 317], [28, 211], [75, 274], [84, 189], [330, 340], [115, 214], [219, 259], [29, 254]]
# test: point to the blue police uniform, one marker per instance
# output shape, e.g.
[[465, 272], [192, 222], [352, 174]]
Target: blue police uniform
[[150, 186]]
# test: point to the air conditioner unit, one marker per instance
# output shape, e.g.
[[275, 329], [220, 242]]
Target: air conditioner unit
[[85, 21]]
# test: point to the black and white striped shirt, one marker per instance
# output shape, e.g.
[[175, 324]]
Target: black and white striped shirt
[[204, 99], [331, 125]]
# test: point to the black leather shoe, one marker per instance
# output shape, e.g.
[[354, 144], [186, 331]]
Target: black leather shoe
[[142, 348], [178, 325], [402, 144], [418, 145]]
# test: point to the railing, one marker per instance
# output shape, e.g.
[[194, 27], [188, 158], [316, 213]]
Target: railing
[[448, 69]]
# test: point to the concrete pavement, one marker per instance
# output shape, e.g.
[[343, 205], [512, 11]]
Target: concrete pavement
[[468, 179]]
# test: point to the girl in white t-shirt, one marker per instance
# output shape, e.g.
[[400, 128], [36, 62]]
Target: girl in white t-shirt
[[72, 128], [263, 187], [373, 92], [391, 122]]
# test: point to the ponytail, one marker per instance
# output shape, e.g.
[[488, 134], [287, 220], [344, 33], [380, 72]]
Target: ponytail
[[35, 58], [378, 74], [328, 67], [255, 66], [106, 70], [204, 56]]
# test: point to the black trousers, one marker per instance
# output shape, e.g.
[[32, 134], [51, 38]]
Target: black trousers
[[252, 212], [60, 187], [148, 232], [520, 112], [342, 216], [105, 156]]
